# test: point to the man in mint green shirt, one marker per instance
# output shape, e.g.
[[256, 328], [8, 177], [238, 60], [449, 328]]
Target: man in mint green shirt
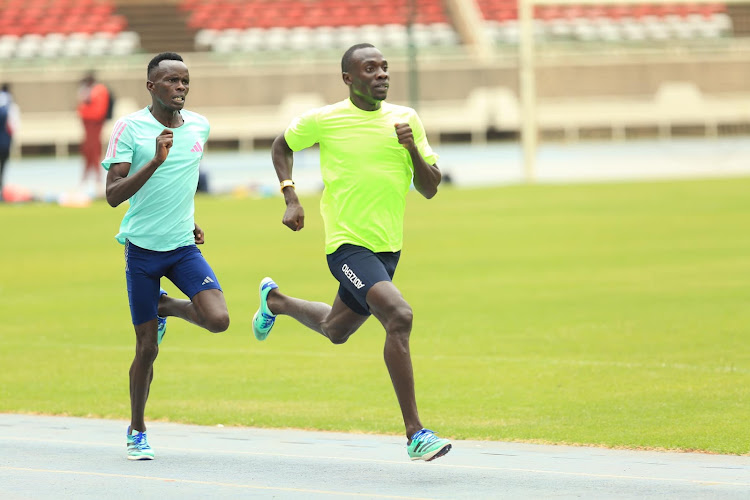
[[152, 162], [370, 152]]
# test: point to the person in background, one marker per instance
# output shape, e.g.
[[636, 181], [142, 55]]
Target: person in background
[[93, 101], [9, 123], [370, 152]]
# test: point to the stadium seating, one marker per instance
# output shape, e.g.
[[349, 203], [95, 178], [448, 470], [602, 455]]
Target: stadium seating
[[60, 28], [608, 23], [475, 102], [263, 25]]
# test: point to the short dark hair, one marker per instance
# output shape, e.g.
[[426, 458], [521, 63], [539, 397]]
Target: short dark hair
[[164, 56], [346, 61]]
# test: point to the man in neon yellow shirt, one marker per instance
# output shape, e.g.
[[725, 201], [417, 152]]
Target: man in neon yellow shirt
[[370, 151]]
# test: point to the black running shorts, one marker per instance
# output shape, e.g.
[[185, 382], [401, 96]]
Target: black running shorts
[[357, 269]]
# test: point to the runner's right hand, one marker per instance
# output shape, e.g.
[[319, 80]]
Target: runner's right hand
[[294, 217], [163, 144]]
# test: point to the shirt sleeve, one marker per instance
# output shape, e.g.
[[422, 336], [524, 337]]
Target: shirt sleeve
[[205, 132], [303, 131], [120, 149], [420, 139]]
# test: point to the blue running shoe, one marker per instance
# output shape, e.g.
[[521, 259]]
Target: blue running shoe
[[161, 328], [264, 319], [138, 447], [425, 445]]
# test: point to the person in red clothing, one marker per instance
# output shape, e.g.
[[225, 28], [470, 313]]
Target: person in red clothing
[[93, 101]]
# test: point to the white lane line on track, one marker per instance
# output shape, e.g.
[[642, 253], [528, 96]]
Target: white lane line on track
[[433, 464], [210, 483], [600, 476]]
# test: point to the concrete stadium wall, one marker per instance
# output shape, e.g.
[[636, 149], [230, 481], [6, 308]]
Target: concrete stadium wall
[[222, 87], [236, 84]]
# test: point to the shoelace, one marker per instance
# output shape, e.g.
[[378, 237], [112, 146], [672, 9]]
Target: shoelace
[[426, 436], [140, 439], [266, 320]]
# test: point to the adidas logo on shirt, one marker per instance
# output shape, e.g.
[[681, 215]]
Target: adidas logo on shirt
[[207, 281], [197, 148]]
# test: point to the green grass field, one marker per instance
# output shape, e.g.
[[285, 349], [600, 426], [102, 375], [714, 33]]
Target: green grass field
[[612, 314]]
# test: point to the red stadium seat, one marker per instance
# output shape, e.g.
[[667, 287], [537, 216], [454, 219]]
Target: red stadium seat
[[56, 16], [311, 13]]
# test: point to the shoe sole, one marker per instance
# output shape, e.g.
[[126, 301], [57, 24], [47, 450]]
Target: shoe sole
[[429, 458], [261, 336], [160, 338], [140, 457]]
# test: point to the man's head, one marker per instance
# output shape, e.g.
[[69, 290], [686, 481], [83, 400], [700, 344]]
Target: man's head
[[365, 71], [168, 80], [158, 58], [89, 78]]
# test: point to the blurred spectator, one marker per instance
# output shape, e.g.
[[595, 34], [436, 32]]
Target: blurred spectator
[[93, 102], [9, 123]]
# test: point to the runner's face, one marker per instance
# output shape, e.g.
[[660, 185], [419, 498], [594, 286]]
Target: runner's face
[[169, 84], [368, 78]]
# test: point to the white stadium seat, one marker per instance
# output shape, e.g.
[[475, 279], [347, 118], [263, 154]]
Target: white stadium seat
[[75, 44], [28, 46], [323, 38], [300, 38], [275, 39], [124, 43], [8, 45], [204, 38], [346, 36], [394, 35], [370, 33], [251, 40]]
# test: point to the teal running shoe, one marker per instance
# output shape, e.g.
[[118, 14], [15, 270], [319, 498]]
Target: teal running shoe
[[138, 447], [264, 319], [161, 323], [425, 445]]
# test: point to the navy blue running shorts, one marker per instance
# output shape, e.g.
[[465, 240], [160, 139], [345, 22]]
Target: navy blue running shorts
[[185, 267], [357, 269]]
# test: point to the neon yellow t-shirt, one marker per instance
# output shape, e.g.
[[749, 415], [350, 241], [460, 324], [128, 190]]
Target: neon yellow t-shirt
[[366, 172]]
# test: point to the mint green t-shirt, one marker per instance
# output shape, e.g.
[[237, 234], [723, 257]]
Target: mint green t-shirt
[[160, 216], [366, 172]]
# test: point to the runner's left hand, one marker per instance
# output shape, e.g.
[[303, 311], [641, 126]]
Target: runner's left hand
[[199, 236]]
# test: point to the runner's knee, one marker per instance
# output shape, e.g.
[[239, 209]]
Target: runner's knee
[[217, 321], [399, 320], [147, 351], [337, 334]]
